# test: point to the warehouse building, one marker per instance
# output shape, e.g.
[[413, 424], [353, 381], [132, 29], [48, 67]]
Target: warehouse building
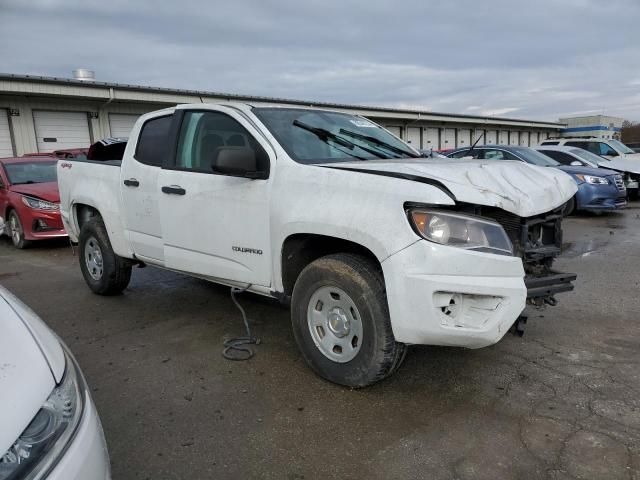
[[43, 114], [600, 126]]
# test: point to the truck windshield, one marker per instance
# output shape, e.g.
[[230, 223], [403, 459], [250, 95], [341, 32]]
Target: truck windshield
[[621, 147], [31, 172], [318, 136]]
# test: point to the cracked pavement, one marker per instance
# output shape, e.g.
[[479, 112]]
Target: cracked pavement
[[562, 402]]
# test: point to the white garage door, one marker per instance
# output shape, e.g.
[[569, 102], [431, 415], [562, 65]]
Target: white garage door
[[513, 137], [524, 139], [413, 137], [503, 137], [431, 138], [464, 137], [6, 149], [394, 130], [491, 137], [533, 139], [449, 139], [120, 124], [60, 130]]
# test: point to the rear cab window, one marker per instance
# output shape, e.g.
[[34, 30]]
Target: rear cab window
[[153, 141]]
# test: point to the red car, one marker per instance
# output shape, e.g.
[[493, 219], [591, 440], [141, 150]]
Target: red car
[[29, 199]]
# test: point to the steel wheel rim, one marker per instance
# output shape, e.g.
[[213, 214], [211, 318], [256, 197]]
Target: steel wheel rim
[[93, 258], [335, 324], [14, 226]]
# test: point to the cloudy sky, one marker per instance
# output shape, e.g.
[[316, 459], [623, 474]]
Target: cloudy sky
[[539, 59]]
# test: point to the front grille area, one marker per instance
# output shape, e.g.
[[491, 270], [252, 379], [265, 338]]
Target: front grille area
[[619, 182], [537, 240]]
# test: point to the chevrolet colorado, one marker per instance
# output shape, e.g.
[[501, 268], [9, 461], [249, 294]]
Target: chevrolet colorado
[[373, 246]]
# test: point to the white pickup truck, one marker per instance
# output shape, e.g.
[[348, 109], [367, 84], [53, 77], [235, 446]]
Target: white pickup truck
[[373, 246]]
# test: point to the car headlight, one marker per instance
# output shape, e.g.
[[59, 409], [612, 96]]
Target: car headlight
[[41, 444], [38, 204], [593, 180], [462, 231]]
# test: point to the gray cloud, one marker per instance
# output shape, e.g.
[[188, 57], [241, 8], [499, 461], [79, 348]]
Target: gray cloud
[[541, 59]]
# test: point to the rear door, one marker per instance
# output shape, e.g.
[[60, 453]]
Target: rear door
[[215, 225], [140, 191]]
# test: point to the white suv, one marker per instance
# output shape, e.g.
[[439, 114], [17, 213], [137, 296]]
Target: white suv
[[615, 156]]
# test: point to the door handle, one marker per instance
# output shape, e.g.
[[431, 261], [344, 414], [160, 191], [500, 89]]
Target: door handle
[[131, 182], [174, 190]]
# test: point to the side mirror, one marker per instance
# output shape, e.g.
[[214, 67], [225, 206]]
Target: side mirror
[[237, 162], [576, 163]]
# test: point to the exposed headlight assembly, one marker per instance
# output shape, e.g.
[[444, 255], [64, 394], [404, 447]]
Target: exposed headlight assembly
[[462, 231], [38, 204], [45, 439], [592, 179]]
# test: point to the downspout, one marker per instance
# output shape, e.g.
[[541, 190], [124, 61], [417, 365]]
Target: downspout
[[102, 107]]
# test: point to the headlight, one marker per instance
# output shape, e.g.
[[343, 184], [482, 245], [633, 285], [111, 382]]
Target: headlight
[[39, 204], [592, 179], [38, 448], [455, 230]]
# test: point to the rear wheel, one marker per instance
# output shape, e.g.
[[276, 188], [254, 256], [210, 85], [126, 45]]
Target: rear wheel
[[17, 231], [105, 272], [341, 321]]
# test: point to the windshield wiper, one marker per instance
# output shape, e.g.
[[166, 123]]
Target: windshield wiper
[[377, 142], [326, 135]]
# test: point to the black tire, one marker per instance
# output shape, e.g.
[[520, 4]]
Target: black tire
[[16, 231], [379, 354], [569, 207], [115, 271]]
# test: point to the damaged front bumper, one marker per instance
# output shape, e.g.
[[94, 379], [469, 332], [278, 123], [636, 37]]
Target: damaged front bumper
[[442, 295]]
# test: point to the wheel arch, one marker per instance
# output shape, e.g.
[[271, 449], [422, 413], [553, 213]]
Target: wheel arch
[[82, 212], [300, 249]]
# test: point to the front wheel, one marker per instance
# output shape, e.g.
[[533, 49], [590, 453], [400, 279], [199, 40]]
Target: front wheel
[[105, 272], [16, 231], [341, 321], [569, 207]]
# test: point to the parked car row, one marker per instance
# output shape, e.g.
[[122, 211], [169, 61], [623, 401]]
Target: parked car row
[[598, 188]]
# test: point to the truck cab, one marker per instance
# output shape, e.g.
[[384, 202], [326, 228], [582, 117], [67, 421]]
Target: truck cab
[[373, 246]]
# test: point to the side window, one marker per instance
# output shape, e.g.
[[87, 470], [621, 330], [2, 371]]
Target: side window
[[605, 149], [202, 133], [493, 155], [590, 146], [562, 157], [475, 153], [153, 141], [550, 143]]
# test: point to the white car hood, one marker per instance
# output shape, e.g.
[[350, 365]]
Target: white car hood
[[516, 187], [628, 163], [31, 362]]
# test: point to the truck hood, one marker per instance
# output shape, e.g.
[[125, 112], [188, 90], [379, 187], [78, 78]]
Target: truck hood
[[31, 363], [628, 163], [44, 191], [517, 187]]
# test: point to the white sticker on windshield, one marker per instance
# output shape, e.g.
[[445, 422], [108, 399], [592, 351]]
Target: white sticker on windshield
[[362, 123]]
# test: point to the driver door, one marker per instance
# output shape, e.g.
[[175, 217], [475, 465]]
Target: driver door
[[215, 225]]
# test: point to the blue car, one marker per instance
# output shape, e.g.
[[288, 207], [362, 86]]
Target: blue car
[[598, 189]]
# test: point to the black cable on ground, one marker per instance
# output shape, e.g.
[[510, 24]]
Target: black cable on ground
[[238, 348]]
